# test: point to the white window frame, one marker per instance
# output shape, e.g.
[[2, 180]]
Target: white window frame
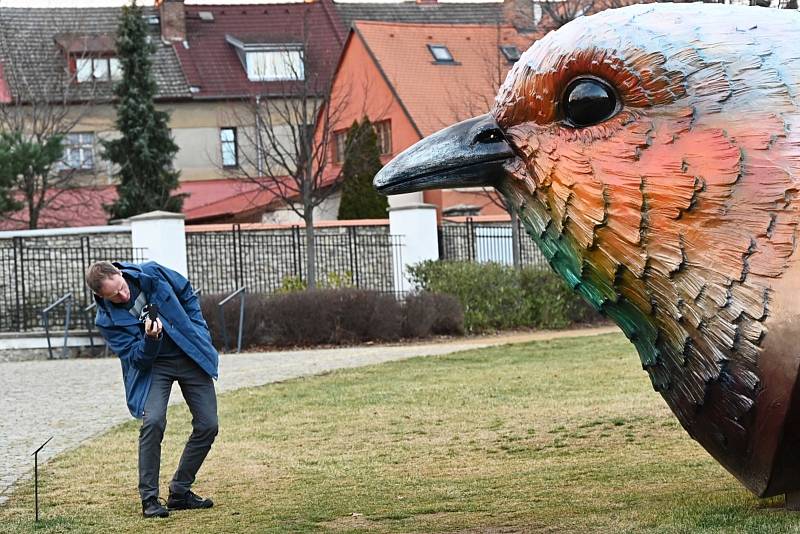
[[81, 145], [102, 69], [274, 65], [230, 144]]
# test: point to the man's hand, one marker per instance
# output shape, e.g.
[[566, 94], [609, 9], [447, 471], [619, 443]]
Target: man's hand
[[152, 328]]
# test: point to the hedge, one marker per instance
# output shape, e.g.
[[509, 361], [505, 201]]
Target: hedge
[[498, 297], [333, 317]]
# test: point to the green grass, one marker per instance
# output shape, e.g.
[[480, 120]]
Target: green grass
[[560, 436]]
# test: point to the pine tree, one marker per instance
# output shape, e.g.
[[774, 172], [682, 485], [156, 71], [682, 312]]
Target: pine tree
[[26, 161], [145, 151], [361, 163]]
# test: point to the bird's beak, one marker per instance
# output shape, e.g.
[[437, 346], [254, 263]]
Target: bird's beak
[[468, 154]]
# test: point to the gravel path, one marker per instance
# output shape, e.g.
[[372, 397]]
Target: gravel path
[[74, 400]]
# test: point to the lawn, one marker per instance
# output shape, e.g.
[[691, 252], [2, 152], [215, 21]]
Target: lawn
[[559, 436]]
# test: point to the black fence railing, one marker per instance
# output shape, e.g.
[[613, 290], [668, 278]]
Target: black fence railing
[[268, 260], [484, 242], [34, 271]]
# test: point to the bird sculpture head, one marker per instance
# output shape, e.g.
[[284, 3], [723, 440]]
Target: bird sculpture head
[[653, 154]]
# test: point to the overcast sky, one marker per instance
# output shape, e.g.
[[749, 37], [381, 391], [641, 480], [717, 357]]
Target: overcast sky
[[103, 3]]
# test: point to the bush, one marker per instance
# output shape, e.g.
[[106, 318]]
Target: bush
[[551, 302], [252, 333], [497, 297], [327, 316], [426, 314], [332, 317]]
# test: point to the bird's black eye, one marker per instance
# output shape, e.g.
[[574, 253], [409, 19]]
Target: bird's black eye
[[589, 101]]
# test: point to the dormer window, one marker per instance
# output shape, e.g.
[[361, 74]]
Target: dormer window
[[441, 53], [101, 69], [90, 57], [269, 62], [511, 53]]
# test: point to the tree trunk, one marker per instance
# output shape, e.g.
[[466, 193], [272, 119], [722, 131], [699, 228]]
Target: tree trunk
[[515, 241], [33, 214], [311, 248]]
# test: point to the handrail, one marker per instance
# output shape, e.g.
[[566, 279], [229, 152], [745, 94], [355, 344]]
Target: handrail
[[241, 292], [67, 299], [89, 323]]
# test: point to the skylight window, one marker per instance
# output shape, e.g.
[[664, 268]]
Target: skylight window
[[441, 53], [511, 53]]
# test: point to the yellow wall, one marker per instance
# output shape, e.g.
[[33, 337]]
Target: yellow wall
[[195, 128]]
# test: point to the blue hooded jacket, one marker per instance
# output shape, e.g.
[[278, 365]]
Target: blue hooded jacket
[[180, 316]]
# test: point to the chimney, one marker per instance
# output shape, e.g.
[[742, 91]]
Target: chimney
[[173, 20]]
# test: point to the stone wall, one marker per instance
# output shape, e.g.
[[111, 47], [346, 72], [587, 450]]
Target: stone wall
[[264, 260], [38, 267]]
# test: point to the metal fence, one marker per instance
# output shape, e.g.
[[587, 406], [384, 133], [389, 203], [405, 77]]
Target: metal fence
[[266, 260], [483, 242], [35, 272]]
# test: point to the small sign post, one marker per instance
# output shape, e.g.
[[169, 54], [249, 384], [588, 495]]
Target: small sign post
[[36, 475]]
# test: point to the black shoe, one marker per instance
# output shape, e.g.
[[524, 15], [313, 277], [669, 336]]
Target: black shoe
[[187, 501], [153, 508]]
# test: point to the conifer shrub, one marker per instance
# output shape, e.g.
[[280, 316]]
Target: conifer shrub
[[362, 162]]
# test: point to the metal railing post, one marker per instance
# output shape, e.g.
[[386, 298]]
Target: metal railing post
[[67, 298], [220, 305]]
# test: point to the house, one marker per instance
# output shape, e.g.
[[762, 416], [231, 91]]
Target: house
[[412, 79], [211, 64], [214, 63]]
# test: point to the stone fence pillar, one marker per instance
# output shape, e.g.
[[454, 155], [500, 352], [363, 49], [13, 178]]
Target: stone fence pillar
[[162, 235], [416, 223]]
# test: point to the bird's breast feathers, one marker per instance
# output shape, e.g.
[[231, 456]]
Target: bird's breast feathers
[[658, 160]]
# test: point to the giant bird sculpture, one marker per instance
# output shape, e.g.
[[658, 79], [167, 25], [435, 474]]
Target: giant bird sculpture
[[653, 154]]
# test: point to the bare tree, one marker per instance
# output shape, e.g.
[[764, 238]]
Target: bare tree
[[291, 140], [541, 16], [42, 105]]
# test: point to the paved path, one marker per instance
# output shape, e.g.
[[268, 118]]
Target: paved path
[[74, 400]]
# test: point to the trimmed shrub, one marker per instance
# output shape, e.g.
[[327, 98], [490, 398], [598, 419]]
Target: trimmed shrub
[[498, 297], [488, 292], [253, 331], [332, 317], [449, 316], [426, 314], [551, 302], [327, 316]]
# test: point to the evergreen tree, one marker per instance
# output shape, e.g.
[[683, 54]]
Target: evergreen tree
[[145, 151], [23, 162], [361, 163]]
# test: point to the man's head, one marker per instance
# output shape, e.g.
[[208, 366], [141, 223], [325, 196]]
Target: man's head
[[106, 281]]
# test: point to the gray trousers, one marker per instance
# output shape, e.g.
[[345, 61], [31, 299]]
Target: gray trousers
[[198, 390]]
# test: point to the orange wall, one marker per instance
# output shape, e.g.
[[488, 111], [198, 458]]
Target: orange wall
[[360, 86]]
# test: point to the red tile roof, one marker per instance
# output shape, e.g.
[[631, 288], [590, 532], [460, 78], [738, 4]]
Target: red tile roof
[[439, 94], [207, 200], [212, 65]]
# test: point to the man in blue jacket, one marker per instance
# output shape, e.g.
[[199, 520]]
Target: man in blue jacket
[[176, 346]]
